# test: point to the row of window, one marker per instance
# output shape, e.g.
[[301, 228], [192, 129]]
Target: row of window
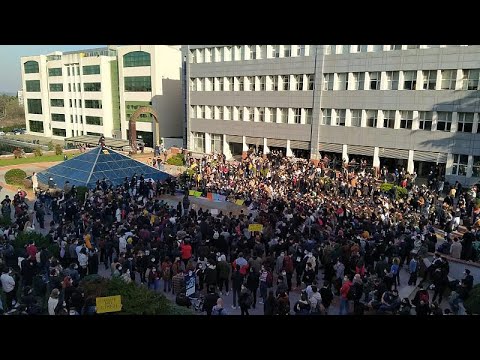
[[216, 142], [138, 83], [256, 114], [461, 79], [351, 49], [89, 104], [36, 126], [460, 165], [246, 52], [400, 119], [298, 82]]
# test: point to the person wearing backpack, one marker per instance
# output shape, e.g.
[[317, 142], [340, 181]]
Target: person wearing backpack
[[245, 300], [315, 301]]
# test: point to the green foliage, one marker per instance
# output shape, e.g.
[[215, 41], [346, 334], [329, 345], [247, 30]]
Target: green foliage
[[51, 146], [15, 176], [58, 149], [177, 160], [38, 151], [23, 239], [402, 193], [5, 222], [81, 191], [472, 304], [190, 172], [136, 300], [54, 250]]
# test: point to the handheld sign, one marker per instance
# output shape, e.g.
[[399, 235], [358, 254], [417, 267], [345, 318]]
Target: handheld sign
[[255, 227], [109, 304]]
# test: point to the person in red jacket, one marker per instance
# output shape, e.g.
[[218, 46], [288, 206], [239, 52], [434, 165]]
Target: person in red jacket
[[186, 251], [344, 295]]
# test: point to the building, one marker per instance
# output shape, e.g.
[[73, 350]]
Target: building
[[95, 91], [411, 106], [20, 97]]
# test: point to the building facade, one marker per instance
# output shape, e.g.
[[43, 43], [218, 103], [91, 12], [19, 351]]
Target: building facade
[[411, 106], [95, 91]]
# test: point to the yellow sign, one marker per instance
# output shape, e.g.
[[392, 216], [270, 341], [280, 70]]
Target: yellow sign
[[255, 227], [109, 304], [106, 152], [239, 202]]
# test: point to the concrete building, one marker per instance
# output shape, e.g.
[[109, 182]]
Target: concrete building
[[411, 106], [95, 91]]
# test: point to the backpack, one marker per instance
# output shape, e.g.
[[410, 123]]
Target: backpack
[[288, 264]]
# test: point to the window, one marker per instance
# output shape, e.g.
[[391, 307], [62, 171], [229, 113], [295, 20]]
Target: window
[[56, 87], [261, 114], [228, 113], [208, 55], [93, 133], [59, 132], [193, 84], [216, 143], [93, 120], [429, 79], [193, 57], [372, 116], [98, 86], [465, 122], [449, 78], [202, 112], [34, 106], [93, 104], [392, 80], [342, 82], [251, 114], [389, 119], [394, 47], [240, 113], [58, 117], [444, 121], [201, 84], [207, 85], [36, 126], [311, 81], [56, 102], [75, 101], [262, 80], [361, 48], [275, 51], [253, 52], [308, 116], [476, 166], [263, 52], [70, 102], [411, 47], [91, 69], [81, 119], [229, 84], [374, 80], [470, 79], [356, 117], [78, 69], [340, 114], [299, 82], [409, 80], [136, 84], [227, 53], [78, 87], [328, 82], [70, 87], [273, 82], [300, 50], [54, 72], [425, 120], [326, 117], [287, 50], [406, 119], [209, 112], [218, 113], [297, 116], [358, 80], [31, 67], [220, 84], [241, 86], [32, 85], [283, 118], [193, 112], [377, 48], [136, 58], [251, 83], [286, 82], [460, 163], [68, 71], [273, 114], [344, 49]]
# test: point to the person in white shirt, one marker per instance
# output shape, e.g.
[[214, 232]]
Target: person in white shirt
[[53, 301], [8, 286], [34, 182]]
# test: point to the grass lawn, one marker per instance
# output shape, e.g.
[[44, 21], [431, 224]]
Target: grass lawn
[[31, 160]]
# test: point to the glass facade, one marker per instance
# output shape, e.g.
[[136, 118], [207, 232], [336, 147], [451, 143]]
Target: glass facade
[[55, 72], [31, 67], [136, 58], [92, 87], [93, 104], [56, 87], [34, 106], [91, 69], [32, 85], [138, 83], [59, 132], [58, 117], [93, 120], [36, 126], [57, 102]]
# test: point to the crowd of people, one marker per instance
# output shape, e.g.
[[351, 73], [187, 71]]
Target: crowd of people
[[330, 234]]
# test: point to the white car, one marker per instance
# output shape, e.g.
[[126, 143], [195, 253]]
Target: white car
[[2, 133]]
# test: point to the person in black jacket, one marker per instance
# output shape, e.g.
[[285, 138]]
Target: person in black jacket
[[309, 274], [210, 300], [237, 281], [253, 281], [327, 295], [270, 304], [245, 300]]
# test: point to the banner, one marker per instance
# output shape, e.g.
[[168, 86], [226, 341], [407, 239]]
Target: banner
[[197, 193], [214, 212], [190, 283], [210, 196], [108, 304], [239, 202], [255, 227], [191, 192]]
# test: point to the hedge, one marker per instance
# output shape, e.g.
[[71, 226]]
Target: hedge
[[401, 191], [15, 176], [136, 300], [81, 191], [177, 160]]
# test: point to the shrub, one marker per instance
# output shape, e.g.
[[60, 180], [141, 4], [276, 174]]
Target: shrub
[[17, 153], [5, 222], [81, 191], [23, 239], [401, 192], [472, 304], [58, 149], [15, 176], [177, 160], [38, 151], [50, 145]]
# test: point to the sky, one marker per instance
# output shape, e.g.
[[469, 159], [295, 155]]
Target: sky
[[10, 76]]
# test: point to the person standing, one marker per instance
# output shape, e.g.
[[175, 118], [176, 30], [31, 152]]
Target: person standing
[[8, 287], [237, 281], [34, 182]]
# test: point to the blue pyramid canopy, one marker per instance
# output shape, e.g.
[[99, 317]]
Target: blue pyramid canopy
[[96, 164]]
